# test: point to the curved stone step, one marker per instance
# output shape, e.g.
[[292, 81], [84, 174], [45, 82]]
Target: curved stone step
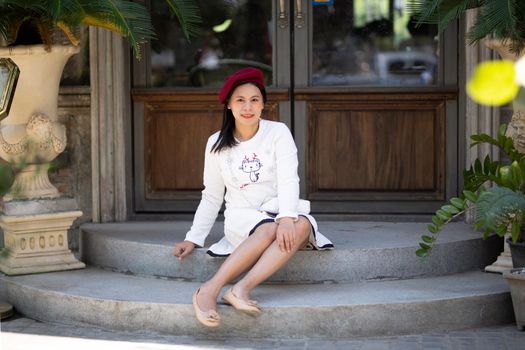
[[363, 251], [123, 302]]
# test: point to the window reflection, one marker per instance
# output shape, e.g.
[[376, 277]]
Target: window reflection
[[235, 34], [372, 42]]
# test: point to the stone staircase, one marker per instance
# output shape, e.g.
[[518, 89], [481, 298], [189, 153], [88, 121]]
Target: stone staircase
[[372, 284]]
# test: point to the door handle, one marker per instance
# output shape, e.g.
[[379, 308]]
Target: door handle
[[299, 15], [283, 17]]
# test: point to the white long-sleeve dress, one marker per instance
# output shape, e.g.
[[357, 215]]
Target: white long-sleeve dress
[[259, 171]]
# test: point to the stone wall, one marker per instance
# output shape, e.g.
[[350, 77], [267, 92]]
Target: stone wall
[[71, 173]]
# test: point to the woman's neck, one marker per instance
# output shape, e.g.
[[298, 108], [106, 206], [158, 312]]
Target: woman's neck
[[244, 133]]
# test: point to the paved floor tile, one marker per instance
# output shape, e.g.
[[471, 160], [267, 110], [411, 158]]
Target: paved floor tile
[[21, 333]]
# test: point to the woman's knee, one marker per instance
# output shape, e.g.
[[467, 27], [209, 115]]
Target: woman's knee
[[267, 231], [303, 227]]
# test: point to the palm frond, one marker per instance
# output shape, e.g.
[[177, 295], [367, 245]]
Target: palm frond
[[517, 26], [504, 19], [69, 12], [498, 207], [69, 31], [451, 10], [130, 19], [17, 13], [188, 15], [126, 17], [45, 30], [441, 12], [33, 5], [492, 17], [5, 23]]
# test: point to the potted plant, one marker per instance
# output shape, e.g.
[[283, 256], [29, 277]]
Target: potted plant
[[500, 208], [28, 27], [501, 19]]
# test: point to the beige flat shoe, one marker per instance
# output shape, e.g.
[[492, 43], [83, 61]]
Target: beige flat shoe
[[208, 318], [248, 306]]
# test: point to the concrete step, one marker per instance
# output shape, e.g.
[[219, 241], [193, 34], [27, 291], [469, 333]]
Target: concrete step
[[111, 300], [363, 251]]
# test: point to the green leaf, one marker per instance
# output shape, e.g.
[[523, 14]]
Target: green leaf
[[427, 239], [483, 138], [506, 176], [508, 146], [432, 228], [471, 196], [424, 246], [477, 166], [443, 215], [437, 221], [422, 253], [450, 209], [487, 233], [487, 165], [501, 230], [458, 203], [502, 130], [516, 174]]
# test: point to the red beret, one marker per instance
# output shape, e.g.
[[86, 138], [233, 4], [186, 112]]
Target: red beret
[[246, 75]]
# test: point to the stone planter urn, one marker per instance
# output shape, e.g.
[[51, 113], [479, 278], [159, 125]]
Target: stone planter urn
[[34, 218], [516, 280]]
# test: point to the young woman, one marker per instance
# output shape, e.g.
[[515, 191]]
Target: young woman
[[255, 160]]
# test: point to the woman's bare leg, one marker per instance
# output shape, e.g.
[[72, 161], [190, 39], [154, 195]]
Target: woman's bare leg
[[270, 261], [242, 258]]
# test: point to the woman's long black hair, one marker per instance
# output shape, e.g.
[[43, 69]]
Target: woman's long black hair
[[226, 138]]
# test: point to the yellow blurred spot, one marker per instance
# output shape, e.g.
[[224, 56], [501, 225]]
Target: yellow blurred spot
[[493, 83], [223, 26]]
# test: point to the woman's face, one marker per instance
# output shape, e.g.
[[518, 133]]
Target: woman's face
[[246, 104]]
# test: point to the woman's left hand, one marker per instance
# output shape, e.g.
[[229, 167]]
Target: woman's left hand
[[286, 235]]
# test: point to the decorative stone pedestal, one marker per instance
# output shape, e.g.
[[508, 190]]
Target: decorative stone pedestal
[[35, 232]]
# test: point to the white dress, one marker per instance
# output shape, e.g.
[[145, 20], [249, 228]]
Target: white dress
[[259, 171]]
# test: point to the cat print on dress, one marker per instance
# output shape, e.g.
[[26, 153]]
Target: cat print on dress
[[251, 166]]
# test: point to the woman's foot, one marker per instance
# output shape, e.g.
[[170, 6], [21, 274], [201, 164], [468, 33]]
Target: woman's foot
[[205, 307], [242, 302]]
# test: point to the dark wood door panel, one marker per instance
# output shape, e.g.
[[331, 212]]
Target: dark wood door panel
[[175, 142], [375, 150], [370, 150]]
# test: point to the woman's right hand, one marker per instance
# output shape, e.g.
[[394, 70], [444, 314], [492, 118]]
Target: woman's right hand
[[182, 249]]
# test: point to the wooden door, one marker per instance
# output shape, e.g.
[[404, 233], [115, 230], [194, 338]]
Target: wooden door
[[372, 108]]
